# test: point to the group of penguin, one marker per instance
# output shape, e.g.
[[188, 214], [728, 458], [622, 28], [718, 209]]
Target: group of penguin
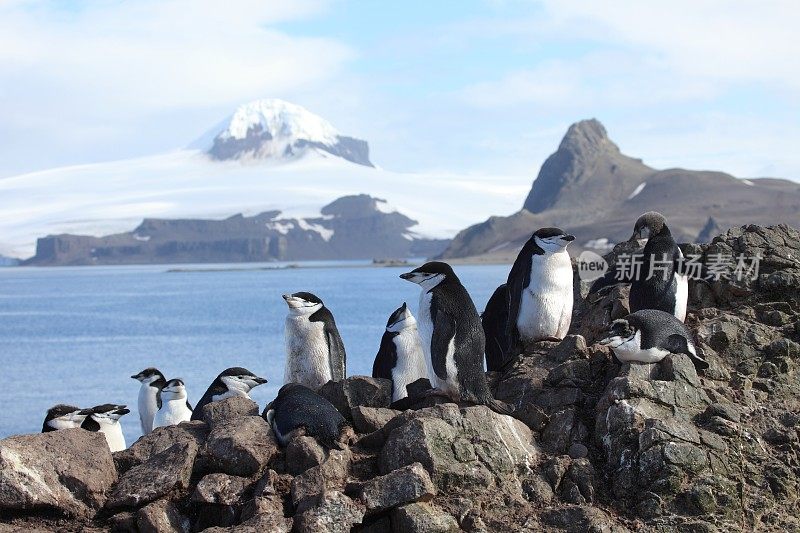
[[446, 343]]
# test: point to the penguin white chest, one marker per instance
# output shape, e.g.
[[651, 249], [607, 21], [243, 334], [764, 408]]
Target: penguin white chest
[[631, 350], [681, 296], [307, 354], [172, 412], [114, 436], [546, 303], [411, 364], [448, 383]]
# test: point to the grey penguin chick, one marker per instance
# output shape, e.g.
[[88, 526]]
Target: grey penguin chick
[[647, 336], [63, 416], [175, 407], [297, 409], [105, 419], [314, 349], [152, 380], [452, 336], [235, 381], [400, 357]]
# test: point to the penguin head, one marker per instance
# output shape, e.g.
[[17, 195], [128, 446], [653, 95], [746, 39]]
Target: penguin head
[[148, 375], [619, 332], [108, 413], [430, 275], [552, 240], [400, 319], [173, 390], [240, 379], [653, 222], [64, 417], [303, 303]]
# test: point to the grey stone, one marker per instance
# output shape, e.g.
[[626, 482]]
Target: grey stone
[[404, 485], [357, 391], [68, 471], [333, 512], [330, 475], [228, 409], [422, 518], [220, 489], [578, 450], [302, 453], [158, 441], [241, 447], [369, 419], [161, 517]]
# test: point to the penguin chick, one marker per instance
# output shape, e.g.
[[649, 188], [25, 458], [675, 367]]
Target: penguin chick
[[175, 407], [400, 357], [452, 336], [235, 381], [152, 381], [297, 408], [64, 417], [647, 336], [105, 419]]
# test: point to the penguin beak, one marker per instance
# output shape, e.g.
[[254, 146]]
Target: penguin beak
[[259, 380], [136, 376], [286, 297], [637, 234], [604, 342], [407, 276], [123, 411], [568, 238]]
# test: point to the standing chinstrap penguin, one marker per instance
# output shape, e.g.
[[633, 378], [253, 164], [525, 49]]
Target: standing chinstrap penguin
[[236, 381], [495, 321], [175, 406], [667, 289], [647, 336], [105, 419], [452, 336], [314, 349], [400, 356], [299, 410], [64, 417], [540, 289], [152, 380]]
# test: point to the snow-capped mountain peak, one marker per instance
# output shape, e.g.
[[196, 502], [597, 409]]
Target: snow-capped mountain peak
[[271, 128]]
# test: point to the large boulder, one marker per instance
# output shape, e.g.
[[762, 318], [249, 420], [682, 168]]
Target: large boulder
[[228, 409], [405, 485], [66, 471], [333, 512], [330, 475], [463, 449], [159, 440], [161, 516], [356, 391], [423, 518], [241, 446]]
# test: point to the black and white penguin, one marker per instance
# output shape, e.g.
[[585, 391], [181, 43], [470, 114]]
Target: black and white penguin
[[232, 382], [495, 321], [299, 410], [668, 288], [105, 419], [452, 336], [152, 380], [648, 335], [64, 417], [175, 407], [314, 349], [400, 356], [540, 289]]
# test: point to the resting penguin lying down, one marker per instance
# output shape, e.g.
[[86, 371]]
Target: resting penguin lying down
[[299, 410], [647, 336]]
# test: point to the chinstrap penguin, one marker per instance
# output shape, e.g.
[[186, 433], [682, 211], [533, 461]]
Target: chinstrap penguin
[[494, 320], [299, 410], [540, 289], [232, 382], [668, 287], [647, 336], [105, 419], [400, 356], [452, 336], [64, 417], [175, 407], [314, 349], [152, 380]]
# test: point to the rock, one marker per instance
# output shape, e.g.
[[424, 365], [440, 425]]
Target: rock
[[357, 391], [163, 473], [330, 475], [302, 453], [404, 485], [66, 471], [267, 498], [333, 512], [121, 523], [262, 523], [220, 489], [463, 449], [228, 409], [161, 517], [537, 490], [241, 447], [369, 419], [158, 441], [580, 518], [422, 518], [578, 451]]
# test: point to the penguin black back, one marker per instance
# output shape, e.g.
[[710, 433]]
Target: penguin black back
[[297, 406], [495, 322]]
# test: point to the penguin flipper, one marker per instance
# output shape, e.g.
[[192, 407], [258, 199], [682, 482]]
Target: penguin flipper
[[444, 329], [336, 354], [678, 344]]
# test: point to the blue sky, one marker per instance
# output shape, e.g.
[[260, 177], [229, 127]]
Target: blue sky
[[465, 87]]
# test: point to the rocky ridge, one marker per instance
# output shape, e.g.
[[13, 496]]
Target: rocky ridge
[[594, 445]]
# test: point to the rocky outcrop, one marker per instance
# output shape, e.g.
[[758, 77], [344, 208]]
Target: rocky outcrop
[[594, 445]]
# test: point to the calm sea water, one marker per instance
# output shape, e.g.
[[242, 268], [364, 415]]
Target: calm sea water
[[76, 335]]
